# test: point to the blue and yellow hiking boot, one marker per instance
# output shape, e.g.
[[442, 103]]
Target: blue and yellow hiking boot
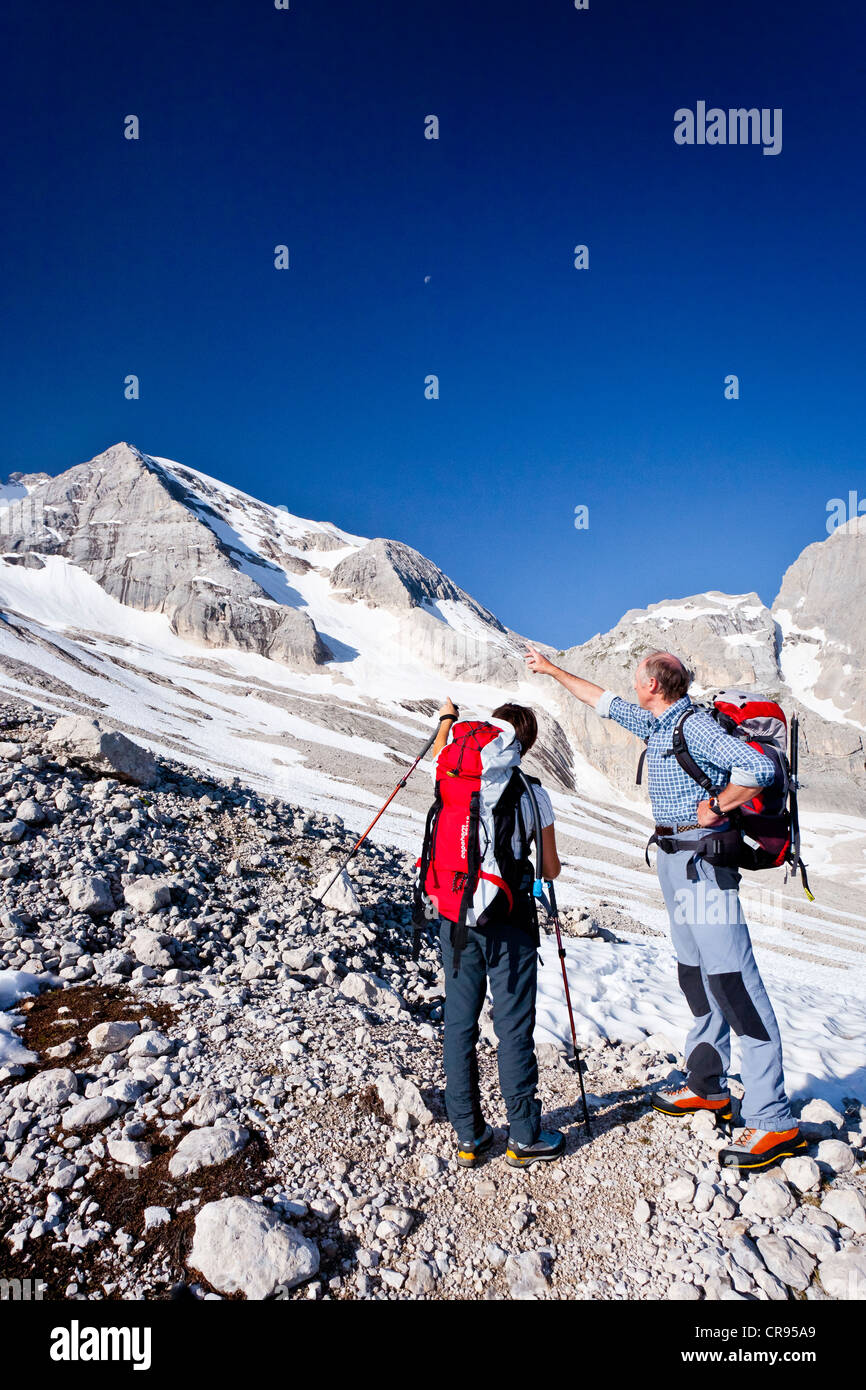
[[681, 1100], [550, 1144], [468, 1154]]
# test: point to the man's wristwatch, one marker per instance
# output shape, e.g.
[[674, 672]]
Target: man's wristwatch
[[715, 807]]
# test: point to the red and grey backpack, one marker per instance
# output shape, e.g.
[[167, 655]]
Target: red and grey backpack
[[769, 824], [468, 871]]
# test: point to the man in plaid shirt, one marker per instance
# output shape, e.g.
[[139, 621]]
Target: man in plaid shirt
[[717, 970]]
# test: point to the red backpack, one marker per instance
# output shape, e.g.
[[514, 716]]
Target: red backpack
[[769, 824], [468, 870]]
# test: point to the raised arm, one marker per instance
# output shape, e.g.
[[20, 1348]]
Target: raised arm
[[576, 685], [447, 715]]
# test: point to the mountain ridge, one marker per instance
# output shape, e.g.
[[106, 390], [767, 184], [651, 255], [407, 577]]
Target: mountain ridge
[[306, 645]]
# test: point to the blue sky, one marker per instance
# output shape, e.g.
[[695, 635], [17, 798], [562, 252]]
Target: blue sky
[[558, 387]]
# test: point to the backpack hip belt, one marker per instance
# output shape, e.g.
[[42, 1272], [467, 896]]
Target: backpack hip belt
[[721, 848]]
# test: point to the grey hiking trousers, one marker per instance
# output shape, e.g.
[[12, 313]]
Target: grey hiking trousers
[[720, 979]]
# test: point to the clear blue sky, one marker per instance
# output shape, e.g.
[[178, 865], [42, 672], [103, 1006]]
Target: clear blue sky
[[558, 387]]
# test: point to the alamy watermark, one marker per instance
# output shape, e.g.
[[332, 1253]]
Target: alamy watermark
[[717, 907], [22, 1290], [736, 126], [77, 1343], [841, 510]]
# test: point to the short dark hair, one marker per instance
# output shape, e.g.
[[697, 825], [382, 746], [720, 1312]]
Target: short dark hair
[[673, 676], [524, 721]]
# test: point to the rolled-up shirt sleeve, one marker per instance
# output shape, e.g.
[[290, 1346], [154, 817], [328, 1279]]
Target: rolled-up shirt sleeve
[[632, 717], [747, 767]]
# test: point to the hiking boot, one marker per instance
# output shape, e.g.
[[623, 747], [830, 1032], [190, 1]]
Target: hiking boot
[[468, 1154], [761, 1148], [550, 1144], [681, 1100]]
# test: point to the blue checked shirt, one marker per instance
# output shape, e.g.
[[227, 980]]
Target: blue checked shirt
[[673, 793]]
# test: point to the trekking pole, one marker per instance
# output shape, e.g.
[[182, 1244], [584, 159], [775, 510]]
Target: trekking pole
[[553, 914], [794, 809], [399, 787], [575, 1063]]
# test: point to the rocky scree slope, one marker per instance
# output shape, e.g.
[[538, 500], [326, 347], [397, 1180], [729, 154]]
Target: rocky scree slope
[[233, 1093]]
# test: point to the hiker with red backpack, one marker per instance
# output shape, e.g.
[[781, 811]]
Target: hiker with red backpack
[[706, 784], [476, 874]]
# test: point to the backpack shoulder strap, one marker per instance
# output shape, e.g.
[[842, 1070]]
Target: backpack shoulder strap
[[536, 818], [680, 750]]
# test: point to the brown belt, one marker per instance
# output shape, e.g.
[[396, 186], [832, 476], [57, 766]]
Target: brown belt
[[675, 829]]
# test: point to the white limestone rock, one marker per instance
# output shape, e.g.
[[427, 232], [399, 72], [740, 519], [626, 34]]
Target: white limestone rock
[[847, 1206], [90, 743], [341, 896], [50, 1089], [201, 1148], [147, 894], [88, 893], [402, 1101], [240, 1245], [115, 1036]]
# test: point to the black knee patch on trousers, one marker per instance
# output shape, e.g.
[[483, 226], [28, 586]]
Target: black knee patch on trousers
[[737, 1007], [692, 986], [705, 1070]]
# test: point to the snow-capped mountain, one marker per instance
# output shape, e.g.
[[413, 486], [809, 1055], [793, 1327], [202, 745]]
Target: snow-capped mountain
[[310, 662]]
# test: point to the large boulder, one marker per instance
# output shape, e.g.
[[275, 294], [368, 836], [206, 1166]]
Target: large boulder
[[241, 1246], [847, 1206], [768, 1198], [86, 741]]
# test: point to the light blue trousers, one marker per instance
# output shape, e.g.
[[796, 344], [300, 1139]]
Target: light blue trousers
[[723, 987]]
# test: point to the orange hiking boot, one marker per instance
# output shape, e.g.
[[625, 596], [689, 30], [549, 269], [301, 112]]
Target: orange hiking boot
[[681, 1100], [761, 1148]]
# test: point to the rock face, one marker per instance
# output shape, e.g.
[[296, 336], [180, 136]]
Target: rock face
[[824, 653], [89, 742], [145, 535], [241, 1246], [728, 641], [736, 642], [220, 565], [388, 574]]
